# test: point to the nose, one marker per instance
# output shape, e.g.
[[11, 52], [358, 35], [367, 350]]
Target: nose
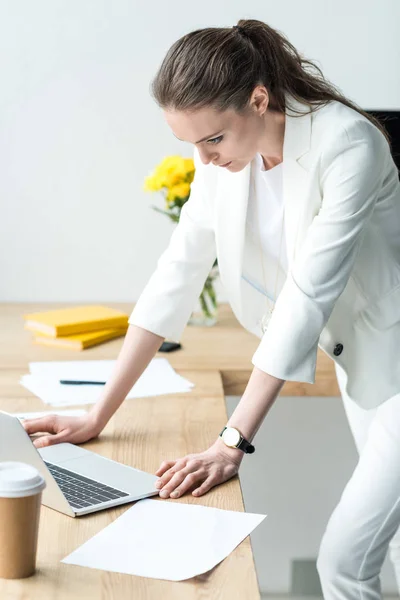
[[206, 158]]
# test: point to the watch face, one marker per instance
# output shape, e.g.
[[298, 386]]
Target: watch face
[[231, 437]]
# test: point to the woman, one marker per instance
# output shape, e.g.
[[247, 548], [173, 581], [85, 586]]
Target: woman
[[297, 195]]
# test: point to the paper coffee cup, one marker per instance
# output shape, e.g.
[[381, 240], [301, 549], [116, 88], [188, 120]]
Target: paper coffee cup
[[21, 487]]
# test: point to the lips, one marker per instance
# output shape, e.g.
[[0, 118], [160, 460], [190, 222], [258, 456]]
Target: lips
[[226, 164]]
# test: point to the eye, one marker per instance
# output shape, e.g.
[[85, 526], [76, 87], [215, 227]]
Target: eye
[[215, 140]]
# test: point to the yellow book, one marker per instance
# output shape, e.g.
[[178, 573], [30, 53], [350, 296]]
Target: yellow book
[[80, 341], [78, 319]]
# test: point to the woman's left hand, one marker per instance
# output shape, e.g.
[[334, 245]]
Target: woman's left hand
[[199, 472]]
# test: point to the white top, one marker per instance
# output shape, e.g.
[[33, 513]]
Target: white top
[[265, 224]]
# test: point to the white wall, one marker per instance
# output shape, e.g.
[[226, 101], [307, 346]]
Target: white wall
[[78, 134], [79, 131]]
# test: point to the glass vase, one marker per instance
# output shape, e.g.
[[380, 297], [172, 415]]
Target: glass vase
[[206, 315]]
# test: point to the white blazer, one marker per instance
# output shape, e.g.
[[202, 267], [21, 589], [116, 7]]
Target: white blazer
[[342, 223]]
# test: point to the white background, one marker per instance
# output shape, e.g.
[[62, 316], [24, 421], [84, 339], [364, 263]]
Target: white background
[[79, 130], [78, 134]]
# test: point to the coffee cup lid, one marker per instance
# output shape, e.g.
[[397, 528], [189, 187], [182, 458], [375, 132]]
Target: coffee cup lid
[[19, 479]]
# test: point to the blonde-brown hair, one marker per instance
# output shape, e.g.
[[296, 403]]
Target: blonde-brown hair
[[220, 67]]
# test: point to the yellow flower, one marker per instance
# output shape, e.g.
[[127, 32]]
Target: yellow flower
[[172, 171], [152, 184], [181, 190], [189, 167]]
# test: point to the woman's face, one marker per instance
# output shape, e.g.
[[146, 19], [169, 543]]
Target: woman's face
[[221, 137]]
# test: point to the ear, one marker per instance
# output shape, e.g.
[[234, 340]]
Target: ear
[[259, 99]]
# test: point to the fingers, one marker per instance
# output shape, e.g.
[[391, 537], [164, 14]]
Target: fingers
[[175, 480], [181, 483], [48, 440], [194, 472], [204, 487], [165, 465], [177, 465], [42, 424]]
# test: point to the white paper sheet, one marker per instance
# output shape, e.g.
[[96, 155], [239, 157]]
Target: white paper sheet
[[166, 540], [43, 381]]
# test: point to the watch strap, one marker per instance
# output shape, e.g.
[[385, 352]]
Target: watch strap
[[246, 446]]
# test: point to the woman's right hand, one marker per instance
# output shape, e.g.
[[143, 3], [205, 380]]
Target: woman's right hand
[[57, 429]]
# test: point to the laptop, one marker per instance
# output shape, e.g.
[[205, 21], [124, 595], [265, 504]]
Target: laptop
[[78, 481]]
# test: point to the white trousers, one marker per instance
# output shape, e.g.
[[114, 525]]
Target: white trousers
[[365, 523]]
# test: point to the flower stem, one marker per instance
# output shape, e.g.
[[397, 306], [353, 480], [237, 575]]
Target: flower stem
[[211, 293], [204, 306], [172, 216]]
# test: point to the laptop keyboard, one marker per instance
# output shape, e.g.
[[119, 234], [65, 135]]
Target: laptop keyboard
[[80, 491]]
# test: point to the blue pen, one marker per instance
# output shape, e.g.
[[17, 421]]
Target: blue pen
[[72, 382]]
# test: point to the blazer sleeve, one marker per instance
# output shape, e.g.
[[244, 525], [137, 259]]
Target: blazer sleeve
[[351, 175], [167, 301]]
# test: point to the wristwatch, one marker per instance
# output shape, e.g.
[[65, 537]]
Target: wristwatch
[[233, 438]]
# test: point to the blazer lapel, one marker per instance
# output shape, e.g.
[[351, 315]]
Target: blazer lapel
[[232, 201], [297, 140]]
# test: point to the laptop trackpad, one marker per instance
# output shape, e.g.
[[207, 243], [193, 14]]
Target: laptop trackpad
[[61, 452]]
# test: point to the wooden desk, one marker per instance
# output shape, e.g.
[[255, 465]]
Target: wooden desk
[[226, 348], [142, 433]]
